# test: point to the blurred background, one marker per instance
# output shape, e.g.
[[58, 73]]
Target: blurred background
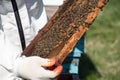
[[102, 45], [101, 60]]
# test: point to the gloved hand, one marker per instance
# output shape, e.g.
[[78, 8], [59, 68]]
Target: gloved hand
[[35, 68]]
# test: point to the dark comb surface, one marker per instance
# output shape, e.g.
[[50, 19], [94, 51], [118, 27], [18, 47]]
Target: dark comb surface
[[67, 25]]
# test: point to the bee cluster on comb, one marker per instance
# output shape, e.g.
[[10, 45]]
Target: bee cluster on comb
[[65, 28]]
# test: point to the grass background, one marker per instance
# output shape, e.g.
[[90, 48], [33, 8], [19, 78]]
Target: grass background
[[101, 60]]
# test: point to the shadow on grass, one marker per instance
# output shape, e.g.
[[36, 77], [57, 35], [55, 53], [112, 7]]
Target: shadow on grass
[[87, 68]]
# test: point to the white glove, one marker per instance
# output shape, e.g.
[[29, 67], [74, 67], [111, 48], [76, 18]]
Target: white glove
[[35, 68]]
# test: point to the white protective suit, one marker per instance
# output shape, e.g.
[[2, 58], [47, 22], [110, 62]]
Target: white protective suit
[[33, 17]]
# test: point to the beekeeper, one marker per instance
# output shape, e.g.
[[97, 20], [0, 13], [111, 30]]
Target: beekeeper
[[18, 26]]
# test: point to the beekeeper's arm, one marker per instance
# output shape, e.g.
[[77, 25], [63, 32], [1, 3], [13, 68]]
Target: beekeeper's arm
[[53, 2], [13, 65]]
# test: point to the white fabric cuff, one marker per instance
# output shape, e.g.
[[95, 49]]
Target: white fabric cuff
[[16, 64]]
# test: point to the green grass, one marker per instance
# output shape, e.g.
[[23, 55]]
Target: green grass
[[102, 44]]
